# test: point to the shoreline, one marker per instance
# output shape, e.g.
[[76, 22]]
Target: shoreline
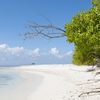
[[22, 85], [60, 82]]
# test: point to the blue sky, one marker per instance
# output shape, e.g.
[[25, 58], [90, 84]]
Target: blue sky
[[14, 16]]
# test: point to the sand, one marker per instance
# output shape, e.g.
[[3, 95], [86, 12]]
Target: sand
[[61, 82]]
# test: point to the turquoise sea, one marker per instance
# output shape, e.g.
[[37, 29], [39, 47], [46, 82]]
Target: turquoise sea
[[7, 79], [16, 85]]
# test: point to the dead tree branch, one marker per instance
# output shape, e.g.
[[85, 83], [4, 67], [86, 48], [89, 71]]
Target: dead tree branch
[[49, 31], [90, 92]]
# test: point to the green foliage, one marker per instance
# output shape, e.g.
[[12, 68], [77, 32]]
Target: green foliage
[[84, 32]]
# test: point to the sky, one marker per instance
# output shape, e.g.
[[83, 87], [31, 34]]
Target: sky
[[14, 17]]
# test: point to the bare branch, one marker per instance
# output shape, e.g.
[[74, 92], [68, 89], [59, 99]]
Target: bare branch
[[87, 93], [50, 31]]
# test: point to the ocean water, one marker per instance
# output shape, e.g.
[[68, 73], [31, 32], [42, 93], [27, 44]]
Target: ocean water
[[16, 85], [7, 79]]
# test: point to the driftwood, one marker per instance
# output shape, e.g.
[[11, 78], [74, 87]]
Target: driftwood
[[89, 92], [97, 68], [93, 91]]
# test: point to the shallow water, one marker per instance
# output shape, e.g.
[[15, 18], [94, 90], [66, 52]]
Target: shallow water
[[17, 86], [7, 79]]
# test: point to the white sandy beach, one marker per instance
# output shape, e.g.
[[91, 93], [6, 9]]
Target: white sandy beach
[[59, 82]]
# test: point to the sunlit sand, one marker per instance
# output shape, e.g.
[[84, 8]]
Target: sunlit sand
[[50, 82]]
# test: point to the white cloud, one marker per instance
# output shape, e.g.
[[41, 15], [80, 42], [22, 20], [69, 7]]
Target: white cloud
[[17, 54], [15, 51], [34, 52], [8, 50], [69, 53], [20, 55], [55, 52]]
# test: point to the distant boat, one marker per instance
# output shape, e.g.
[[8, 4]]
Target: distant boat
[[33, 63]]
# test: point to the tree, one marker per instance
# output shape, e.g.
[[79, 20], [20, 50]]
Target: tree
[[84, 32]]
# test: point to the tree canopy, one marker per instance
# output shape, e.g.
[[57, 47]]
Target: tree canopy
[[84, 32]]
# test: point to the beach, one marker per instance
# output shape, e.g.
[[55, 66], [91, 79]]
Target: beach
[[53, 82]]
